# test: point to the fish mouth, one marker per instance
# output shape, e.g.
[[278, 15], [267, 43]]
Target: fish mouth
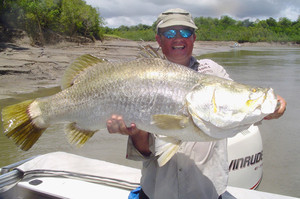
[[266, 103], [270, 103]]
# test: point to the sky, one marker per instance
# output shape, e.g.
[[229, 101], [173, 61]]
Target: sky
[[134, 12]]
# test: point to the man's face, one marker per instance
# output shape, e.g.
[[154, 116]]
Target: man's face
[[177, 49]]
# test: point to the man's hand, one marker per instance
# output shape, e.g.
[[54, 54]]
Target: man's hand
[[139, 137], [116, 124], [278, 112]]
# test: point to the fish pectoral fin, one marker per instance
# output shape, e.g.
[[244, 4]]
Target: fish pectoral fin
[[166, 148], [170, 122], [77, 136], [78, 66]]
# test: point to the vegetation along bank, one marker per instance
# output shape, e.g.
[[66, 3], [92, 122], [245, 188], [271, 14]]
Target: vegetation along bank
[[50, 21]]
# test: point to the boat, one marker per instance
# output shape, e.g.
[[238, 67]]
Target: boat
[[59, 175], [236, 45]]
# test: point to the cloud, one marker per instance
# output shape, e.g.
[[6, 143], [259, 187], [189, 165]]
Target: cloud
[[133, 12], [129, 21]]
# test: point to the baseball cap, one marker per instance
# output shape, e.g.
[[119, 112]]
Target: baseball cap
[[175, 17]]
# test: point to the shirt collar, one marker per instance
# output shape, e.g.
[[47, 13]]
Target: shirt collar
[[194, 64]]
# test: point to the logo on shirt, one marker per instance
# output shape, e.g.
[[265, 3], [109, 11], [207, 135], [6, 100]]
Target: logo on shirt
[[205, 69]]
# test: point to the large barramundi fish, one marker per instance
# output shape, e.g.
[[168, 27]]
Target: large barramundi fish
[[159, 96]]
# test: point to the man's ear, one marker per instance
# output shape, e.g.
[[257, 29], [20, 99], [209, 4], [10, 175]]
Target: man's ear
[[158, 39], [194, 35]]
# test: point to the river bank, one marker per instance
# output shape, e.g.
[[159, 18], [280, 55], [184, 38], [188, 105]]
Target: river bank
[[24, 68]]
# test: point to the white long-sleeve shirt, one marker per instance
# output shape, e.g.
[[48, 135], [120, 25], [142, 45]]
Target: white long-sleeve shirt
[[197, 170]]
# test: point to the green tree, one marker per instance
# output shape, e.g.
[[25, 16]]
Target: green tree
[[227, 21], [37, 16], [271, 22], [77, 17], [43, 18]]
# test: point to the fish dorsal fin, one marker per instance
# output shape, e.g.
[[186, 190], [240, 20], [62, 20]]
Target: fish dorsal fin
[[147, 51], [170, 122], [78, 66]]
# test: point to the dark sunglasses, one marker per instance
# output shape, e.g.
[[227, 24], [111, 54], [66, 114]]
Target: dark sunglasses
[[185, 33]]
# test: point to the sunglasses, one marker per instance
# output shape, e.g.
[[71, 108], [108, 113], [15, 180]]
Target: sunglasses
[[185, 33]]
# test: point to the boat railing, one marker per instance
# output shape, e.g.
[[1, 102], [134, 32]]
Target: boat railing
[[10, 176]]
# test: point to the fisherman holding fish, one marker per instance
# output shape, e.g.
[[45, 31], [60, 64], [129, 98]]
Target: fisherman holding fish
[[198, 169]]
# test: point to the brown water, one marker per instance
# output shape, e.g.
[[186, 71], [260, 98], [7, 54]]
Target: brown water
[[278, 68]]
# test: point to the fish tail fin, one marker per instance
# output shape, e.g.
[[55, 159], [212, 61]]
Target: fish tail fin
[[77, 136], [165, 148], [18, 125]]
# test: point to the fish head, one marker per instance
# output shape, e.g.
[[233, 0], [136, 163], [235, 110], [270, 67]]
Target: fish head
[[216, 106]]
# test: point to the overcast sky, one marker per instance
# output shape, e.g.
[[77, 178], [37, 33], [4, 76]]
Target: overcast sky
[[133, 12]]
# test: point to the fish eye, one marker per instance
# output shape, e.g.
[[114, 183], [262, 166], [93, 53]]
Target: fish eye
[[253, 90]]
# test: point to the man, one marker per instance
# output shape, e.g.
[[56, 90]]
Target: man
[[198, 169]]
